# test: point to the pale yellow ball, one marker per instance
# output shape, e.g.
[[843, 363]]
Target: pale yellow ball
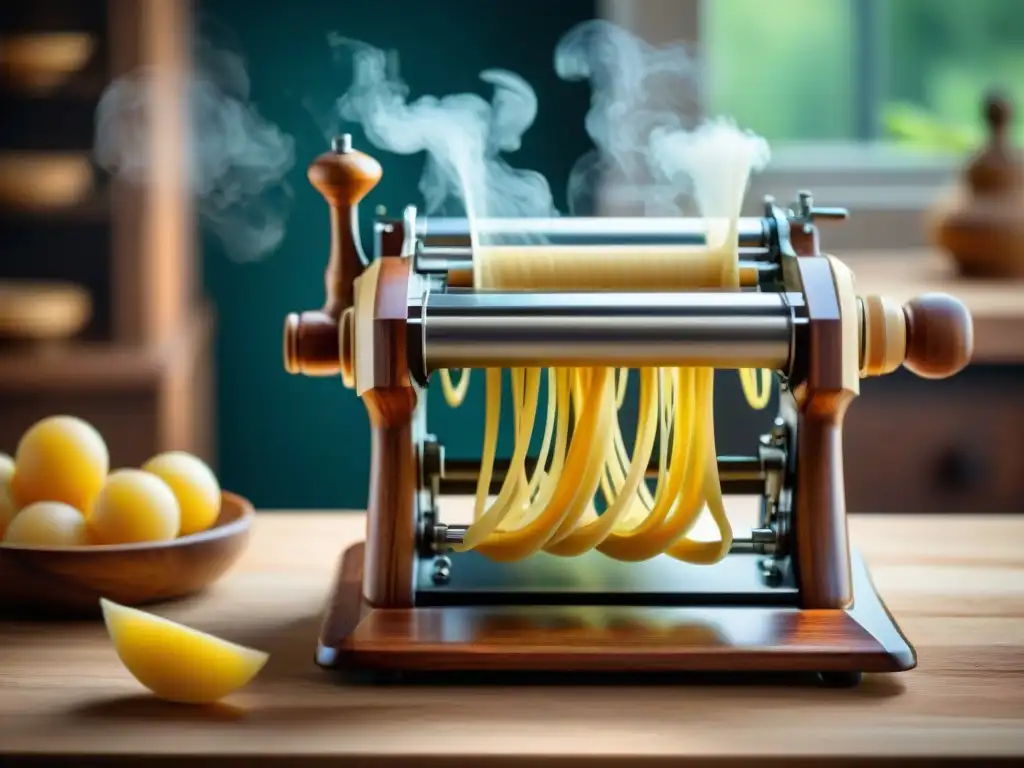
[[48, 524], [194, 485], [61, 458], [134, 506]]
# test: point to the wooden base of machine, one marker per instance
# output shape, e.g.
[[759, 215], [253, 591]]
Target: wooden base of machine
[[838, 645]]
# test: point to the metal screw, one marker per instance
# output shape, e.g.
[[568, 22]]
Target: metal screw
[[778, 432], [764, 540], [771, 572], [342, 144], [433, 458], [806, 205], [442, 570]]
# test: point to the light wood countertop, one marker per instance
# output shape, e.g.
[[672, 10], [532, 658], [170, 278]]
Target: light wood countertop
[[954, 583]]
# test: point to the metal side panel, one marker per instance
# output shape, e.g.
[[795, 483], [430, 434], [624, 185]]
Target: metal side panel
[[594, 579]]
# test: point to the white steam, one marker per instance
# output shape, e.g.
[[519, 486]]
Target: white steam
[[714, 162], [636, 89], [463, 136], [645, 145], [644, 142], [236, 159]]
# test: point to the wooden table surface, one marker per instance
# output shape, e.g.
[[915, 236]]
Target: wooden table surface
[[955, 584]]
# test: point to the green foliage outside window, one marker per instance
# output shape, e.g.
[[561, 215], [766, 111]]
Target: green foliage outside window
[[789, 69]]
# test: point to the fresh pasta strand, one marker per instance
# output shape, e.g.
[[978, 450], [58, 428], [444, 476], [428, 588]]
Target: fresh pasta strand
[[584, 453], [454, 395], [487, 522], [575, 483], [553, 510], [757, 386]]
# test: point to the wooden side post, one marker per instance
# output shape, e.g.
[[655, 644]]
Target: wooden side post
[[822, 545], [382, 380]]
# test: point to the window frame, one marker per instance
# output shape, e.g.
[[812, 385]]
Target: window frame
[[888, 190]]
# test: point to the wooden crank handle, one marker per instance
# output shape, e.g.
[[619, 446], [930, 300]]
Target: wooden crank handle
[[931, 335], [344, 176]]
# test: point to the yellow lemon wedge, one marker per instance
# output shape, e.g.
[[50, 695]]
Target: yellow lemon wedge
[[178, 663]]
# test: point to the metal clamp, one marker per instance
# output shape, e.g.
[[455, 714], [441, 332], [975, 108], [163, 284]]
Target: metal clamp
[[774, 451], [430, 455], [806, 214]]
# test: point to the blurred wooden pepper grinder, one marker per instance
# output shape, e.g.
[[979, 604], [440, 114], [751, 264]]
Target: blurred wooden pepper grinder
[[981, 224]]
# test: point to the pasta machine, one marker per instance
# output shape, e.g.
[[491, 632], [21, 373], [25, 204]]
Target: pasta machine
[[790, 597]]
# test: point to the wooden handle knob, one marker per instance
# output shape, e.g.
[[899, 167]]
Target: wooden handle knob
[[883, 335], [347, 348], [940, 336], [344, 176], [313, 341], [311, 344], [932, 335]]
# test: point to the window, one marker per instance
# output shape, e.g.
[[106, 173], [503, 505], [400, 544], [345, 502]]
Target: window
[[907, 70], [871, 104]]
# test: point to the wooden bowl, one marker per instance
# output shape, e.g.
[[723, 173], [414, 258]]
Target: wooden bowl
[[70, 581], [42, 311], [42, 181], [42, 62]]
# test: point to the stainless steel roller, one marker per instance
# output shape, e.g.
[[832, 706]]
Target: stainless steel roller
[[738, 474], [466, 329], [437, 260], [754, 232]]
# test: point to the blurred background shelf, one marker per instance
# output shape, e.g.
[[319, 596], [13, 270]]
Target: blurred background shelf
[[140, 367], [144, 399], [95, 208]]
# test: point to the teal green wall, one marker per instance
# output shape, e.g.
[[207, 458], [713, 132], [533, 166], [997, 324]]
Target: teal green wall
[[296, 442]]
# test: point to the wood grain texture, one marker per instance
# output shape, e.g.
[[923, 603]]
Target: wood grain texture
[[343, 178], [70, 582], [954, 584], [821, 542], [383, 382]]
